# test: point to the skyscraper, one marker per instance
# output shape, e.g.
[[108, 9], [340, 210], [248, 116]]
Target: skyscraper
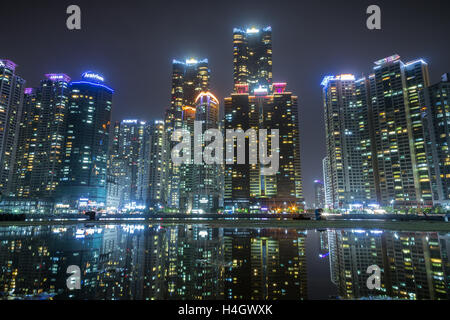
[[327, 183], [131, 140], [26, 144], [84, 175], [245, 187], [346, 127], [206, 176], [319, 194], [397, 101], [252, 57], [189, 79], [376, 137], [256, 104], [437, 122], [152, 172], [118, 171], [11, 99], [43, 129]]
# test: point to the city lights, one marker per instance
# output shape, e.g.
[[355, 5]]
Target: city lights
[[193, 167]]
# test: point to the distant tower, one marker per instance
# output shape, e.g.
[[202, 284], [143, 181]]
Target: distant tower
[[327, 183], [131, 139], [152, 170], [319, 194]]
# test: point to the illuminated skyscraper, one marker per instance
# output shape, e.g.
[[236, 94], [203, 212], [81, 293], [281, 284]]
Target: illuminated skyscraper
[[245, 187], [26, 144], [118, 171], [189, 78], [397, 101], [253, 57], [131, 140], [319, 194], [186, 170], [206, 176], [11, 100], [41, 154], [152, 171], [327, 183], [346, 127], [376, 136], [437, 122], [84, 174]]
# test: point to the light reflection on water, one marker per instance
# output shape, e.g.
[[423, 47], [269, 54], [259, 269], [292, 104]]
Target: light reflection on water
[[199, 262]]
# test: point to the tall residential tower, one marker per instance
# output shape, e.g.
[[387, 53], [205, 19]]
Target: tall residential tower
[[11, 98], [189, 79]]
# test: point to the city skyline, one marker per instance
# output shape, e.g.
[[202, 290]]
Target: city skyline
[[302, 66], [215, 159], [310, 55]]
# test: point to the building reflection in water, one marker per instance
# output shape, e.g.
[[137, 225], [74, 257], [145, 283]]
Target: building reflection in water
[[200, 262], [414, 265]]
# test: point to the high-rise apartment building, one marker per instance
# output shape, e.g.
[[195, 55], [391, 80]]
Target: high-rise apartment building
[[437, 122], [118, 171], [319, 194], [401, 161], [189, 79], [327, 183], [26, 144], [376, 136], [346, 127], [11, 100], [131, 140], [258, 103], [246, 188], [84, 176], [43, 129], [152, 171], [206, 187]]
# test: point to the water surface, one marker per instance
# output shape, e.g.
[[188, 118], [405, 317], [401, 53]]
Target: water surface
[[200, 262]]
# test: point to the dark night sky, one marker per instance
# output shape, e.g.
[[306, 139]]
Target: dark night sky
[[132, 44]]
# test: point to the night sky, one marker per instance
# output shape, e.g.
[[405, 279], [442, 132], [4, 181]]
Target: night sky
[[133, 42]]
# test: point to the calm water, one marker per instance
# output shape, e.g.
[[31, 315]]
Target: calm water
[[199, 262]]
